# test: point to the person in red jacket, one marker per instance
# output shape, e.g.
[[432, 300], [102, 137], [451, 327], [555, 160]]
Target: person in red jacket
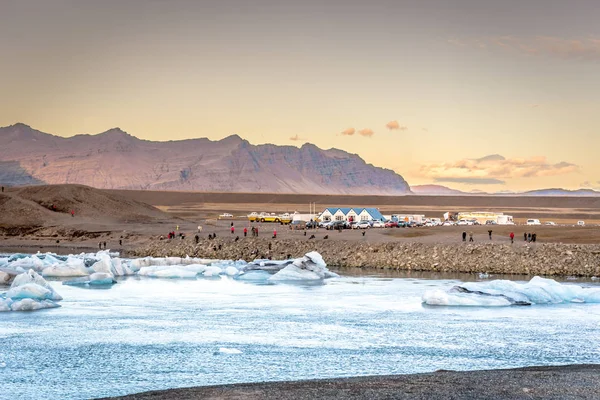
[[512, 237]]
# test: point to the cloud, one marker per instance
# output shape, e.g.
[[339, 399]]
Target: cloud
[[494, 169], [349, 132], [471, 181], [366, 132], [394, 125], [585, 49]]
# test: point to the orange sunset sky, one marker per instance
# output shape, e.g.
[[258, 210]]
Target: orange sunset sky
[[485, 95]]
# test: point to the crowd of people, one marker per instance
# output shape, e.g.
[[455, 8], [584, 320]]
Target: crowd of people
[[527, 237]]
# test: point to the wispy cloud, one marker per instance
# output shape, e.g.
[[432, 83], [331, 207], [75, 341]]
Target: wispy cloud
[[395, 125], [471, 181], [586, 49], [348, 132], [494, 169], [366, 132]]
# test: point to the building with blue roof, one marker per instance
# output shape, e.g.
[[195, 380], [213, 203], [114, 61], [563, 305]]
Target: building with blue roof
[[351, 214]]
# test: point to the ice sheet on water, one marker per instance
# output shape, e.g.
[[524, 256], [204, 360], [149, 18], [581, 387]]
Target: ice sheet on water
[[226, 350], [165, 271], [503, 293]]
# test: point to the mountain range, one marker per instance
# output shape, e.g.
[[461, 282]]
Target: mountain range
[[439, 190], [117, 160]]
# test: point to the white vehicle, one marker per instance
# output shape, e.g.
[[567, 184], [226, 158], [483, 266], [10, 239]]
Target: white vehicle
[[226, 215], [363, 225], [378, 224], [448, 223], [533, 222], [580, 223], [550, 223]]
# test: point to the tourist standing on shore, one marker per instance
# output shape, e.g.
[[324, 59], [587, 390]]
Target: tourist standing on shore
[[525, 236], [529, 237], [274, 233], [232, 228], [471, 236], [490, 233], [464, 236], [512, 237], [533, 237], [245, 231]]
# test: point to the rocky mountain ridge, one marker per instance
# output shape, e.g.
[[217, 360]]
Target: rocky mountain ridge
[[117, 160]]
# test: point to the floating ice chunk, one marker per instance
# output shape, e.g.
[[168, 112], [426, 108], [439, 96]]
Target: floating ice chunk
[[71, 267], [253, 276], [309, 267], [212, 271], [97, 278], [441, 298], [164, 271], [503, 292], [5, 277], [32, 305], [226, 350], [29, 292], [32, 277], [232, 271]]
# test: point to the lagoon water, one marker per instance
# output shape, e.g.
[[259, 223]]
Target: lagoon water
[[146, 334]]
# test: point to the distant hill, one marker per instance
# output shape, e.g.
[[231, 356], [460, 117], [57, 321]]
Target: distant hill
[[117, 160], [438, 190], [561, 192]]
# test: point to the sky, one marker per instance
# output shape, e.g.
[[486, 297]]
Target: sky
[[471, 94]]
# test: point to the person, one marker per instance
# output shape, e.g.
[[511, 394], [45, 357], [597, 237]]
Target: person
[[275, 233], [100, 245], [177, 227], [104, 243], [2, 189], [471, 236], [304, 233], [72, 213], [232, 224], [245, 231], [199, 228], [464, 236], [120, 242], [512, 237], [197, 238], [529, 237], [232, 229], [490, 233], [256, 231], [533, 237], [525, 236]]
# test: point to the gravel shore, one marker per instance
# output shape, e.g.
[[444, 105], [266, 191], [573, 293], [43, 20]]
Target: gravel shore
[[554, 382]]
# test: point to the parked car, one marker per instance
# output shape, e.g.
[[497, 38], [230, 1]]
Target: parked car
[[391, 224], [490, 222], [378, 224], [550, 223], [298, 225], [533, 222], [363, 225], [226, 215], [448, 223], [580, 223]]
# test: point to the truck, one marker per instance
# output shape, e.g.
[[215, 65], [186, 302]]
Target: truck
[[284, 218]]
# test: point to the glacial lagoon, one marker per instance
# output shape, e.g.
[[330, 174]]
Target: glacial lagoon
[[238, 325]]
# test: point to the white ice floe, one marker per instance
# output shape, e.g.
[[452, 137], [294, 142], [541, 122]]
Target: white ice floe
[[29, 291], [226, 350], [95, 279], [309, 267], [504, 293]]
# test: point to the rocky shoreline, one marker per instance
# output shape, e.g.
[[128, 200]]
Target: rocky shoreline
[[551, 382], [549, 259]]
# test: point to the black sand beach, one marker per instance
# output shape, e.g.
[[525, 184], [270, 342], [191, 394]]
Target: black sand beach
[[569, 382]]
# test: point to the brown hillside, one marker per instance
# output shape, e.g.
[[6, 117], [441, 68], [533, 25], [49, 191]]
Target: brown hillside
[[51, 205]]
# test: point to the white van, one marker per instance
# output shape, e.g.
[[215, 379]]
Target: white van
[[580, 223], [533, 222]]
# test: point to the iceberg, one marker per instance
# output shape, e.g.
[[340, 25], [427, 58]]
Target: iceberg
[[505, 293], [28, 292], [310, 267], [95, 279]]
